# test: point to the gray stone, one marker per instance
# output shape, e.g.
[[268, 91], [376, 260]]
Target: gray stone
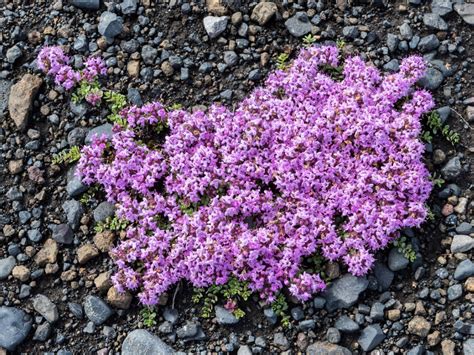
[[370, 337], [244, 350], [392, 66], [333, 335], [297, 313], [464, 327], [350, 32], [133, 95], [142, 342], [406, 32], [344, 292], [432, 79], [76, 310], [74, 211], [74, 186], [79, 109], [444, 113], [89, 328], [188, 331], [298, 25], [129, 7], [454, 292], [383, 275], [417, 350], [42, 332], [307, 324], [105, 129], [434, 21], [392, 42], [462, 243], [465, 228], [6, 267], [15, 326], [441, 7], [77, 136], [13, 54], [396, 260], [452, 169], [96, 310], [377, 311], [281, 341], [149, 54], [325, 348], [468, 347], [264, 12], [86, 4], [80, 43], [62, 233], [271, 316], [103, 211], [346, 325], [231, 58], [466, 11], [5, 86], [170, 315], [255, 75], [110, 25], [225, 317], [14, 194], [428, 43], [319, 302], [464, 270], [46, 308], [214, 25], [34, 235]]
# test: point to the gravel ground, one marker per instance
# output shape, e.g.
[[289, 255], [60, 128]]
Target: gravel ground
[[55, 291]]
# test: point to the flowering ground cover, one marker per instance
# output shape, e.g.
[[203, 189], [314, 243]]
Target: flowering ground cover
[[308, 164]]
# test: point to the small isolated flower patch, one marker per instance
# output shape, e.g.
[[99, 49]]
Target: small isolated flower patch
[[305, 165]]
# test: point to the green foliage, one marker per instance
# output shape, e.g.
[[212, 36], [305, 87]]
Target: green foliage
[[148, 316], [282, 61], [89, 194], [116, 102], [233, 290], [429, 213], [112, 224], [280, 307], [340, 43], [308, 40], [437, 180], [435, 126], [336, 73], [175, 106], [406, 248], [84, 89], [67, 156], [190, 207]]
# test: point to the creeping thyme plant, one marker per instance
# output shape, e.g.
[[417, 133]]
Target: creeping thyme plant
[[305, 165]]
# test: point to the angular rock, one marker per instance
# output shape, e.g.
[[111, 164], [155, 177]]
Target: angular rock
[[86, 252], [42, 332], [96, 310], [466, 11], [129, 7], [344, 292], [370, 337], [298, 25], [74, 186], [15, 326], [142, 342], [350, 32], [406, 32], [20, 101], [214, 25], [48, 253], [103, 211], [6, 267], [434, 21], [464, 270], [419, 326], [74, 211], [454, 292], [46, 308], [432, 79], [325, 348], [13, 54], [452, 169], [119, 300], [396, 260], [468, 347], [462, 243], [5, 86], [62, 233], [441, 7], [383, 275], [104, 241], [464, 227], [225, 317], [264, 12], [428, 43], [86, 4], [110, 25], [346, 325]]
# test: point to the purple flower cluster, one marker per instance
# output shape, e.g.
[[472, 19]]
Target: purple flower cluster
[[54, 62], [305, 165]]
